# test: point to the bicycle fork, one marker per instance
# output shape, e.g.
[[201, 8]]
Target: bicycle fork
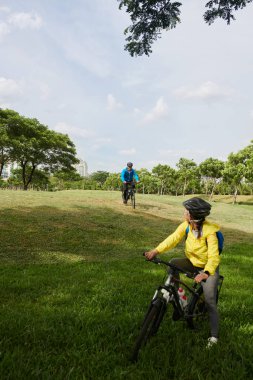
[[169, 293]]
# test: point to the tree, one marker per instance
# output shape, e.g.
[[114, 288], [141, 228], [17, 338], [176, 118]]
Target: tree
[[248, 160], [211, 169], [100, 177], [33, 145], [40, 178], [5, 141], [166, 175], [150, 17], [234, 171], [145, 178], [187, 172], [113, 182]]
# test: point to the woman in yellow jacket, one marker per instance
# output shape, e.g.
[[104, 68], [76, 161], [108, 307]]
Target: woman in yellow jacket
[[202, 254]]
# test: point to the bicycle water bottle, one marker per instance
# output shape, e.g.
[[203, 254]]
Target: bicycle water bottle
[[182, 297]]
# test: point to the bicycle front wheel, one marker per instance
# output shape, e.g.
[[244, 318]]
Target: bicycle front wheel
[[149, 327], [133, 201]]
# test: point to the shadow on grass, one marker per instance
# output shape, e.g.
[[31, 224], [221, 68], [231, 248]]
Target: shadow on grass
[[47, 234], [250, 203]]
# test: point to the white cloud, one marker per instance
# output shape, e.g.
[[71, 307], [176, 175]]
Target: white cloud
[[104, 140], [127, 152], [112, 103], [4, 9], [206, 91], [86, 51], [133, 81], [73, 131], [101, 142], [136, 111], [181, 153], [4, 30], [159, 111], [251, 114], [9, 89], [18, 20], [25, 20]]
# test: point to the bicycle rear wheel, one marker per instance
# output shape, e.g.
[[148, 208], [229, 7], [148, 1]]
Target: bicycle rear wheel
[[197, 306], [150, 326]]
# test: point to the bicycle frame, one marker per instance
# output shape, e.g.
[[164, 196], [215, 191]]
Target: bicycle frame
[[169, 292]]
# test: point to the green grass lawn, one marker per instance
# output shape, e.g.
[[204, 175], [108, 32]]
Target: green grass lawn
[[75, 287]]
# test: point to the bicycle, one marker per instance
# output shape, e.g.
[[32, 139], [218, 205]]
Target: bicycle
[[168, 294], [130, 194]]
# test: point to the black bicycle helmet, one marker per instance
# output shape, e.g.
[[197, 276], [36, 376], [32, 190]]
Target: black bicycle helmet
[[197, 207], [129, 164]]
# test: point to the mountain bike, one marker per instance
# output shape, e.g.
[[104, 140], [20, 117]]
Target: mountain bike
[[168, 294], [130, 194]]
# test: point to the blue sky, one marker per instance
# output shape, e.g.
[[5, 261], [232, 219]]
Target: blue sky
[[63, 62]]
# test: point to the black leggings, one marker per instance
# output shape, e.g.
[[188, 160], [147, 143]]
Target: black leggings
[[125, 187], [210, 290]]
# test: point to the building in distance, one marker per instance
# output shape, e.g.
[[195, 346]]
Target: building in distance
[[82, 168]]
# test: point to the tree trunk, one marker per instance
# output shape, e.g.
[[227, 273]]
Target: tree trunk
[[206, 187], [212, 192], [235, 195], [184, 188], [23, 164], [1, 168], [26, 183]]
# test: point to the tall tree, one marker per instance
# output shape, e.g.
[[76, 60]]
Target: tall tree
[[211, 170], [166, 176], [150, 17], [100, 177], [187, 173], [33, 146], [145, 179], [5, 140], [234, 171], [248, 160]]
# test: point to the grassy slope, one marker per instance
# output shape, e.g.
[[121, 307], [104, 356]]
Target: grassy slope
[[75, 288]]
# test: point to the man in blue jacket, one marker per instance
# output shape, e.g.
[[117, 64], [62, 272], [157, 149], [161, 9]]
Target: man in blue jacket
[[127, 177]]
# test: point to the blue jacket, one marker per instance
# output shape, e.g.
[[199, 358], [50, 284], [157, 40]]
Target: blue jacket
[[128, 175]]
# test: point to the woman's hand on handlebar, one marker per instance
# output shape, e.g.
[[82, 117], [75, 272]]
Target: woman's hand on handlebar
[[151, 254], [200, 277]]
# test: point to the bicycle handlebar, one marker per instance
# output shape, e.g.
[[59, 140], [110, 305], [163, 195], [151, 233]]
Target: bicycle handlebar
[[155, 260], [158, 261]]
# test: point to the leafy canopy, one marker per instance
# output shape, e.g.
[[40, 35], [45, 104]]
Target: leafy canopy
[[150, 17], [32, 145]]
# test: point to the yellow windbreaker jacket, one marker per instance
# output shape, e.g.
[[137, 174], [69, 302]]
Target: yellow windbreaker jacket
[[203, 252]]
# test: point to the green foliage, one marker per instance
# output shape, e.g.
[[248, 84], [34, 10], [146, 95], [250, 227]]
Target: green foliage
[[211, 172], [6, 116], [187, 173], [223, 9], [166, 177], [150, 17], [31, 144], [113, 182], [99, 176]]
